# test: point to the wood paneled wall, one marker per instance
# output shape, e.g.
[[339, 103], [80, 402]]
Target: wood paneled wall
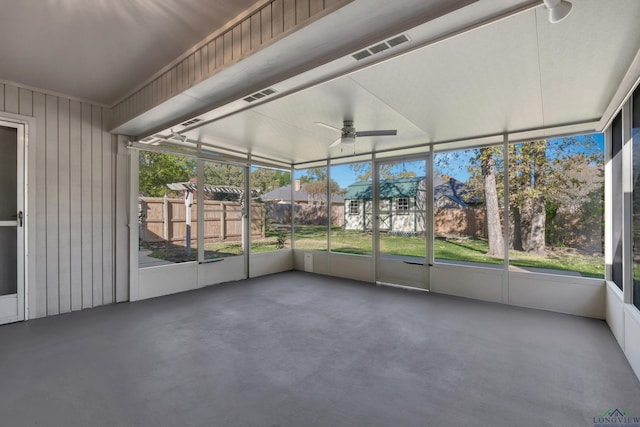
[[249, 33], [70, 214]]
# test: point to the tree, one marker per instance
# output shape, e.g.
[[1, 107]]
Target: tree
[[317, 191], [363, 171], [537, 194], [159, 169], [265, 180], [221, 174], [314, 174], [548, 176], [486, 157]]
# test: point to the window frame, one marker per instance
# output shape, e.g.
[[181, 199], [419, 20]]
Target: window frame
[[401, 207], [354, 203]]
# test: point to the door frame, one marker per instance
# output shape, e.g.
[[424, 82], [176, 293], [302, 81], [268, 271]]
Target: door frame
[[21, 299], [418, 273]]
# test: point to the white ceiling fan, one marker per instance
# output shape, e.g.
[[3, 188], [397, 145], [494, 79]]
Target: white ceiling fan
[[349, 133]]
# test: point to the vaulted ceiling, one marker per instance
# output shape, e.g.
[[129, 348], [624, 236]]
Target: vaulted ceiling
[[515, 74], [469, 69]]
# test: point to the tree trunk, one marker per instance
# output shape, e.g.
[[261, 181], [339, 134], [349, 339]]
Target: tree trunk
[[494, 229], [538, 201], [538, 225], [516, 239]]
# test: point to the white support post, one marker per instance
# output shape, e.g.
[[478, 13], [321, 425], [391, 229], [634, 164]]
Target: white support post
[[627, 204], [329, 209], [134, 229], [429, 236], [200, 207], [505, 222], [608, 207], [188, 202], [292, 211], [375, 212]]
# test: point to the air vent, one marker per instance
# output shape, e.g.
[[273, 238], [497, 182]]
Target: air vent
[[191, 122], [397, 40], [259, 95], [361, 55], [380, 47]]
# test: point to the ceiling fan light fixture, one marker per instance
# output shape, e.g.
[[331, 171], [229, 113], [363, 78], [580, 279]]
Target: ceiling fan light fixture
[[558, 9], [348, 139]]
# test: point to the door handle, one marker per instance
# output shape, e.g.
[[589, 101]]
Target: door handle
[[20, 219]]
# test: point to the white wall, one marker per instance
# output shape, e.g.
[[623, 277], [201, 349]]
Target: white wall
[[70, 199], [624, 322], [563, 294]]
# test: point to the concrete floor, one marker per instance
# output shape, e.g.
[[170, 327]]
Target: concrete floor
[[297, 349]]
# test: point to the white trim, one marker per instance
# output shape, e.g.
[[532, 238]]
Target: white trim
[[134, 231], [608, 206], [627, 203], [21, 125], [505, 220]]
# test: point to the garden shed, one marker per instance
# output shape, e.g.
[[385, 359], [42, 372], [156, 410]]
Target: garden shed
[[402, 203]]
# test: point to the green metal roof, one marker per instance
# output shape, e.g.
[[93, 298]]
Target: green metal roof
[[389, 188]]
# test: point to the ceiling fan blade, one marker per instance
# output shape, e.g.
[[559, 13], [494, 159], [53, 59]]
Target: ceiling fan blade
[[388, 132], [336, 142], [328, 126]]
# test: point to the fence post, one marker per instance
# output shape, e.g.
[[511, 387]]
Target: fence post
[[165, 219], [223, 221]]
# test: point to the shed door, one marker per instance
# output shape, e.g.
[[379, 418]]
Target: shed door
[[11, 223], [400, 209]]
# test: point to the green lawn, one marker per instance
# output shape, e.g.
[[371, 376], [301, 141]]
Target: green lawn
[[469, 250], [356, 242]]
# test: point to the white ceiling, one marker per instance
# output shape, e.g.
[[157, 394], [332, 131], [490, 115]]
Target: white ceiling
[[471, 78], [99, 50], [513, 75]]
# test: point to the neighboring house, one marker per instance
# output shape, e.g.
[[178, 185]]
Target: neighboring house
[[402, 203], [300, 196], [451, 193]]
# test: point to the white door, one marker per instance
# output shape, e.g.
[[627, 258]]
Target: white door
[[11, 222], [401, 228]]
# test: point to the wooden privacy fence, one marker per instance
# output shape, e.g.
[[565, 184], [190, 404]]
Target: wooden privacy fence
[[280, 213], [163, 220], [459, 221]]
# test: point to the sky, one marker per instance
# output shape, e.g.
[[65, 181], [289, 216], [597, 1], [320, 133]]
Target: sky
[[456, 165]]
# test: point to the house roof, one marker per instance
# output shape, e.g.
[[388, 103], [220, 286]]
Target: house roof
[[407, 187], [453, 189], [284, 194], [389, 188]]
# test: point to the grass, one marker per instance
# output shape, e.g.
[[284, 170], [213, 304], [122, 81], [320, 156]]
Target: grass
[[311, 237], [465, 250]]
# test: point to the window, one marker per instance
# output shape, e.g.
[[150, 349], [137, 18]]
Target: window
[[351, 221], [635, 135], [353, 207], [270, 209], [468, 192], [556, 196], [616, 199], [402, 204], [167, 209], [310, 208], [224, 202], [401, 228]]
